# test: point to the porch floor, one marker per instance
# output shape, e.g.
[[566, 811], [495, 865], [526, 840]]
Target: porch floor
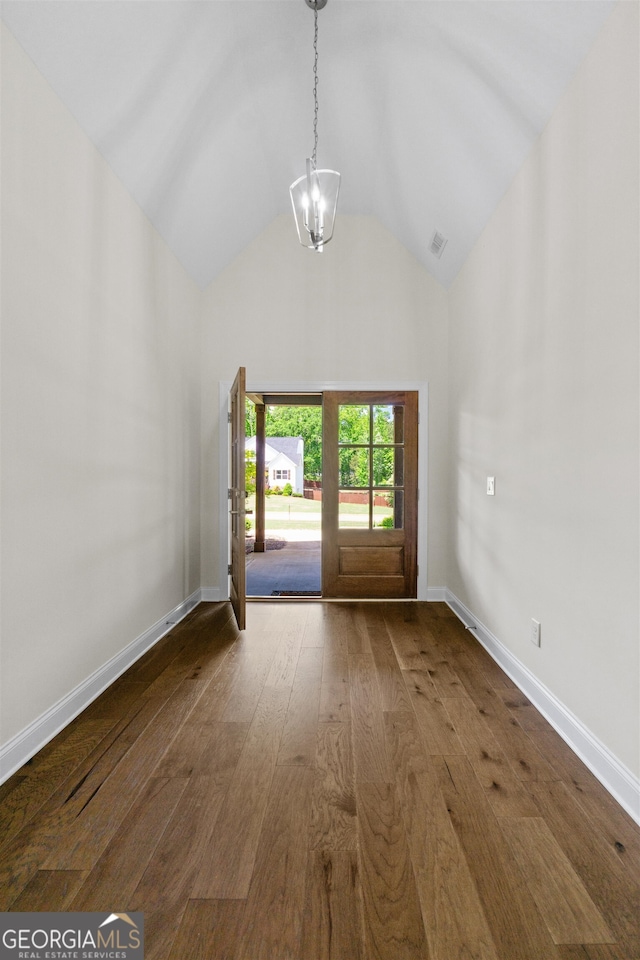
[[293, 569]]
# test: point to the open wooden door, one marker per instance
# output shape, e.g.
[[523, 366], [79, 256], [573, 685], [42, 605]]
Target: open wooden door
[[237, 495], [370, 457]]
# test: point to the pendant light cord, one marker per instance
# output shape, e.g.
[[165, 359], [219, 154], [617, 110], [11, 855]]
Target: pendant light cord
[[315, 87]]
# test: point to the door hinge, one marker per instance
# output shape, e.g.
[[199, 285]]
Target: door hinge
[[229, 493], [229, 570], [229, 417]]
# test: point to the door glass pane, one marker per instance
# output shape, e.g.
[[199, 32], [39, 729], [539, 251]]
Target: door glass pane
[[388, 513], [388, 463], [353, 510], [354, 423], [385, 429], [353, 466]]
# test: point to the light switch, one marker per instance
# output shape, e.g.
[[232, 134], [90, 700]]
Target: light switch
[[491, 486]]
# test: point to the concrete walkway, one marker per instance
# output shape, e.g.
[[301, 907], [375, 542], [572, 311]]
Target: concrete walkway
[[292, 570]]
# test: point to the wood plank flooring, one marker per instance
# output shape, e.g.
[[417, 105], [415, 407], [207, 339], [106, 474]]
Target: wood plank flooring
[[353, 781]]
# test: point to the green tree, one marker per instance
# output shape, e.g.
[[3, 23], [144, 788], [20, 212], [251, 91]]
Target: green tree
[[250, 471], [249, 418], [359, 426], [353, 423], [305, 422]]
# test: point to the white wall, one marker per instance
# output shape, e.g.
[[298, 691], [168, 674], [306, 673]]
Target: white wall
[[363, 310], [100, 408], [544, 395]]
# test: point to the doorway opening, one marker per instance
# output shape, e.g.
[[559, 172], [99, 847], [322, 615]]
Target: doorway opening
[[283, 479], [369, 463]]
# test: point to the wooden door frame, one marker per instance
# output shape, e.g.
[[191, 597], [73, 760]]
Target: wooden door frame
[[255, 385], [237, 500]]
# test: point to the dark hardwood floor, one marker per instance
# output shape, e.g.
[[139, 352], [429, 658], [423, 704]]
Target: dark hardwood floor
[[338, 782]]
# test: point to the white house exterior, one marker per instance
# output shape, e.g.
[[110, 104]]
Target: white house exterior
[[284, 461]]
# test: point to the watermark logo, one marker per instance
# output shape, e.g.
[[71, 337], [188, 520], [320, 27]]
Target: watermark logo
[[71, 936]]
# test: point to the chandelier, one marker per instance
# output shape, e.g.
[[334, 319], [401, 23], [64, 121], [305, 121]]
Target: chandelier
[[315, 194]]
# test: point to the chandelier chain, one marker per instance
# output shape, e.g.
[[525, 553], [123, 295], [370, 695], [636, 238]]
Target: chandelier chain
[[315, 86]]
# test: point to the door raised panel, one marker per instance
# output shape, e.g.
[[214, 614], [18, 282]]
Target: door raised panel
[[371, 561]]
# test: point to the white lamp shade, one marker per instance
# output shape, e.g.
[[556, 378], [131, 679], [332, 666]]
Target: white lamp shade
[[315, 198]]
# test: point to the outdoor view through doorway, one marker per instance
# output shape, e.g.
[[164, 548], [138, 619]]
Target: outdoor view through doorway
[[292, 548], [284, 522]]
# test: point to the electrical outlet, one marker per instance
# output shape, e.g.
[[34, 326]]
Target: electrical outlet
[[491, 486], [535, 632]]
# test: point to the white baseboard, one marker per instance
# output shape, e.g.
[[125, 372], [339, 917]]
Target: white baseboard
[[621, 783], [437, 594], [26, 744]]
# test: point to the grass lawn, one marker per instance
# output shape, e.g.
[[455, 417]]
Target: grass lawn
[[298, 513]]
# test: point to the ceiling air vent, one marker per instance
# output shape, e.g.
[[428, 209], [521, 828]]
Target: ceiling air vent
[[438, 243]]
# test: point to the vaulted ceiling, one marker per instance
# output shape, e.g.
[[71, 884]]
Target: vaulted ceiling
[[204, 109]]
